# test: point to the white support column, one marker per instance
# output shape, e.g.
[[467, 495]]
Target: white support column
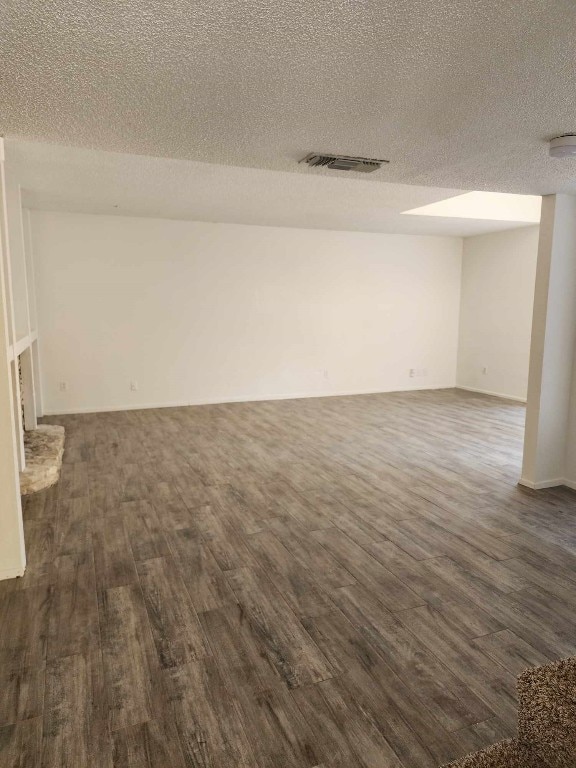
[[12, 554], [553, 346]]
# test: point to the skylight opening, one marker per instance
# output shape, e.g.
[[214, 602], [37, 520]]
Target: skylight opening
[[492, 206]]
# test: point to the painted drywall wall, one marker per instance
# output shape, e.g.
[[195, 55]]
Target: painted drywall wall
[[194, 312], [16, 248], [498, 276], [12, 555]]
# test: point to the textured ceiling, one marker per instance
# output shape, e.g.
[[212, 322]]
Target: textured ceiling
[[455, 94], [92, 181]]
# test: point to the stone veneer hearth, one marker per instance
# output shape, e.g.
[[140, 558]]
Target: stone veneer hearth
[[43, 448]]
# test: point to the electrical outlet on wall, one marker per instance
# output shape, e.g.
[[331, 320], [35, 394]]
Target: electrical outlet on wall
[[62, 386], [485, 370], [133, 386]]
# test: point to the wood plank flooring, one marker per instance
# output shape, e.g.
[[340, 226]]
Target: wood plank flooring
[[329, 583]]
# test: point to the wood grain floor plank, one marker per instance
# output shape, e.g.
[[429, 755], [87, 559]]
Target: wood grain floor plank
[[71, 727], [542, 575], [295, 505], [129, 656], [21, 694], [73, 619], [392, 592], [331, 743], [321, 583], [295, 583], [39, 535], [359, 726], [148, 745], [432, 588], [206, 583], [207, 718], [386, 705], [73, 481], [21, 744], [528, 614], [468, 618], [509, 650], [328, 573], [113, 558], [226, 544], [276, 729], [131, 481], [446, 543], [104, 492], [145, 533], [175, 626], [455, 705], [73, 526], [24, 616], [282, 637], [263, 505], [494, 685], [230, 504], [471, 582], [169, 506], [359, 522], [481, 735]]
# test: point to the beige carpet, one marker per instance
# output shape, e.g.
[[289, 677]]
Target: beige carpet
[[546, 723]]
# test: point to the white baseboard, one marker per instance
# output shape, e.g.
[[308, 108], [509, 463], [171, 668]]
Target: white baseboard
[[541, 484], [493, 394], [11, 573], [125, 407], [241, 399]]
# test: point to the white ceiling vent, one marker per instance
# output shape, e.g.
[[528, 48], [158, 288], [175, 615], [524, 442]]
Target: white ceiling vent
[[343, 162]]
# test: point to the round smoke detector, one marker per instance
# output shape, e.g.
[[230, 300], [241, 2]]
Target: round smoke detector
[[563, 146]]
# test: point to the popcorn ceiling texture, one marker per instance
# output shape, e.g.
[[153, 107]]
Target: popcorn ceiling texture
[[93, 181], [462, 95]]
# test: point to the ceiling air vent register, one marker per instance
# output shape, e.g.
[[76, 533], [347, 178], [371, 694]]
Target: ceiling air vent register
[[343, 162]]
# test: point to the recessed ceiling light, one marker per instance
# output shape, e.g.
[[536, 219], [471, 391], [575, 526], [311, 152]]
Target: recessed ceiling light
[[492, 206], [563, 146]]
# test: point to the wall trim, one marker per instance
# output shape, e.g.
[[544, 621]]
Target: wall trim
[[241, 399], [493, 394], [540, 485], [11, 573]]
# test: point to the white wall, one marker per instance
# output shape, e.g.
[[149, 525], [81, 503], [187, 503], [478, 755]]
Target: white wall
[[196, 312], [498, 276], [12, 555]]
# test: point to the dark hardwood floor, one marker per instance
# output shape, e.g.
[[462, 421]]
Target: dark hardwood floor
[[339, 583]]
